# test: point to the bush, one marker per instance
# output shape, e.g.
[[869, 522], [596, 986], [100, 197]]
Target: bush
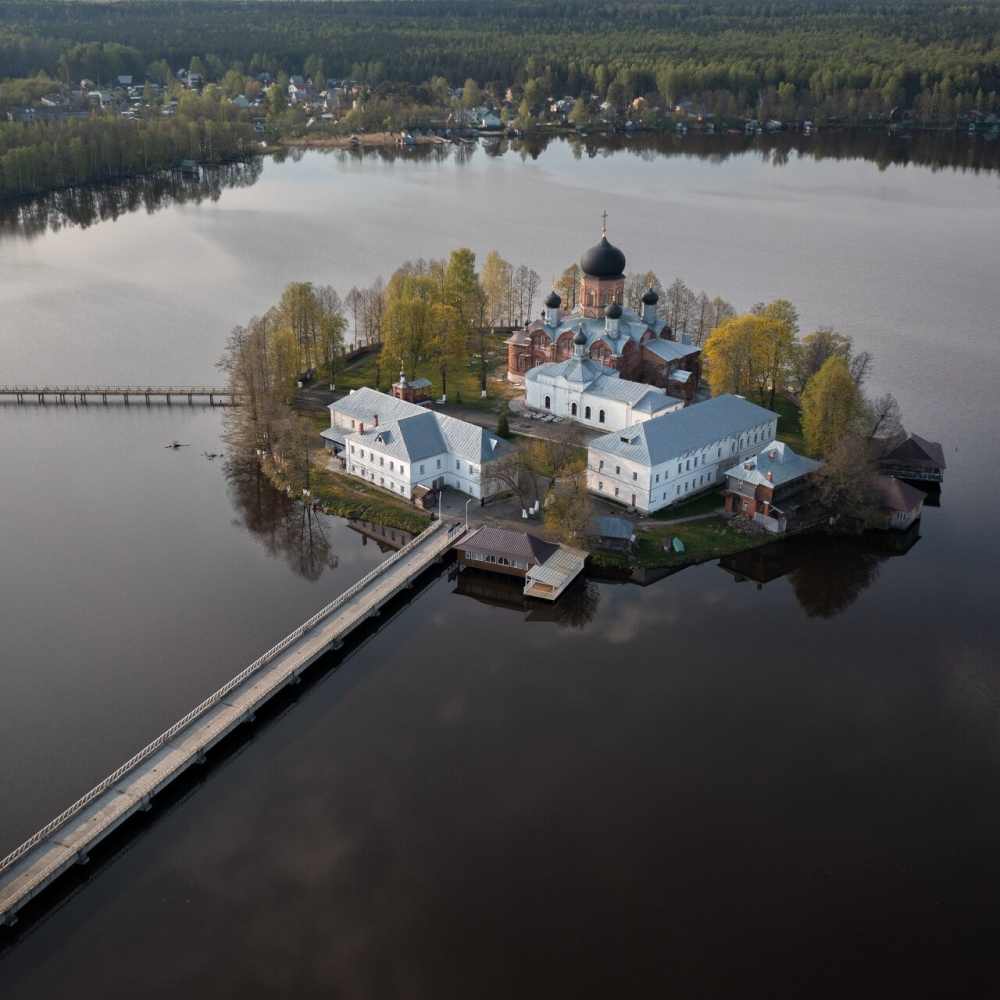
[[503, 428]]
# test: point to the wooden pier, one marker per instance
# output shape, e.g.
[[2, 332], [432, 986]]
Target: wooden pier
[[83, 394], [66, 840]]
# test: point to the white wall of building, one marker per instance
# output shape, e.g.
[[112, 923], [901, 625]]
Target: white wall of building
[[561, 396], [677, 479]]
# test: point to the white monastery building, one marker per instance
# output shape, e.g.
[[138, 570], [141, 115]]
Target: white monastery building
[[659, 462], [592, 393], [399, 445]]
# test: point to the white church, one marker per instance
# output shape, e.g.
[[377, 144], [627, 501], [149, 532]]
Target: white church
[[592, 393]]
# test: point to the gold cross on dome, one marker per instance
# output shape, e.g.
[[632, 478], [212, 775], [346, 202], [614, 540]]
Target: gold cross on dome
[[604, 223]]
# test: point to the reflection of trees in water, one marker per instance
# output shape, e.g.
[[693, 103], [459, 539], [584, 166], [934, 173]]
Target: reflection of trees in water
[[827, 574], [284, 527], [577, 607], [937, 150], [832, 579], [84, 206]]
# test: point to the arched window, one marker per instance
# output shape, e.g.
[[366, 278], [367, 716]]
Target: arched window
[[548, 403], [600, 417], [586, 413], [572, 409], [604, 298], [590, 297]]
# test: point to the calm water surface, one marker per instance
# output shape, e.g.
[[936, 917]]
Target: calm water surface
[[700, 787]]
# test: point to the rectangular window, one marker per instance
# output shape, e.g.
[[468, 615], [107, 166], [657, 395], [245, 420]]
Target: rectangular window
[[600, 486], [701, 481], [362, 452], [381, 480], [352, 425], [381, 460], [392, 467], [678, 490], [439, 463], [458, 465], [618, 470], [616, 491], [685, 487], [745, 505], [678, 468], [402, 470], [687, 465], [657, 477], [352, 449], [600, 465], [421, 468], [696, 461], [720, 451]]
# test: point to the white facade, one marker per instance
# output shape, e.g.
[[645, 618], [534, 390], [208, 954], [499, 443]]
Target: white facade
[[669, 459], [594, 395], [398, 445]]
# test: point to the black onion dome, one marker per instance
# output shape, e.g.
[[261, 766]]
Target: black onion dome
[[649, 297], [552, 300], [614, 311], [581, 338], [603, 261]]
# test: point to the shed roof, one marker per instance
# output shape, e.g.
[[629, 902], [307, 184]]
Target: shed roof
[[670, 350]]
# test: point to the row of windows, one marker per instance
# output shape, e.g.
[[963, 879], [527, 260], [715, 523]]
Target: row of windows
[[573, 411], [364, 473], [496, 560]]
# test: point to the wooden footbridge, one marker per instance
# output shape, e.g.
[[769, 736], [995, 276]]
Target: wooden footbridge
[[66, 841], [85, 393]]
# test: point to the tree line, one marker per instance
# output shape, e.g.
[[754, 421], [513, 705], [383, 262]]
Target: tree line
[[36, 157], [760, 354], [792, 57]]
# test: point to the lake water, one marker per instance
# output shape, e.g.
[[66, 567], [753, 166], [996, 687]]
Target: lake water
[[701, 787]]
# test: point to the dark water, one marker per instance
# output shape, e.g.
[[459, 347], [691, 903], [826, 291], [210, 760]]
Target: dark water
[[701, 787]]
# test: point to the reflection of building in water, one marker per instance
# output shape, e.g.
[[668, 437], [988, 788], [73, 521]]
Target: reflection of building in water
[[386, 538], [574, 609], [827, 574]]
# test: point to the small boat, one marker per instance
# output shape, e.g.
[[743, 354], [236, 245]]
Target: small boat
[[677, 545]]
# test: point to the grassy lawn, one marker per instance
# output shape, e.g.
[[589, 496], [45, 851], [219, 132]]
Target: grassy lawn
[[348, 498], [704, 503], [703, 540], [463, 385]]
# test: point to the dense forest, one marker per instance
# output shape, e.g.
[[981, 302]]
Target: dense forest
[[826, 60], [937, 56]]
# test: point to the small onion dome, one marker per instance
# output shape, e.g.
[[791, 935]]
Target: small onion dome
[[552, 300], [614, 311], [649, 297], [603, 260], [581, 338]]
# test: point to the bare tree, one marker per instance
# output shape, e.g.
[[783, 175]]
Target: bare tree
[[355, 302]]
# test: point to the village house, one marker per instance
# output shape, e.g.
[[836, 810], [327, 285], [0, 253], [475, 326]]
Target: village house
[[399, 446], [767, 486], [899, 503], [614, 335], [668, 459]]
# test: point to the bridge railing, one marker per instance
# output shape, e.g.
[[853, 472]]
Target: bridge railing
[[211, 701], [96, 390]]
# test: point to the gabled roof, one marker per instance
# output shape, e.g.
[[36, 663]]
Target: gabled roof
[[784, 466], [574, 369], [671, 434], [507, 542], [918, 451], [895, 495], [612, 527]]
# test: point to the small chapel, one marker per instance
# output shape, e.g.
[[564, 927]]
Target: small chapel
[[640, 348]]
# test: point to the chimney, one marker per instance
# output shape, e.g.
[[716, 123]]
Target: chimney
[[770, 477], [376, 420], [361, 428]]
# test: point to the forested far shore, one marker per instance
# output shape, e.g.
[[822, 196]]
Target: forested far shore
[[799, 57], [105, 146]]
